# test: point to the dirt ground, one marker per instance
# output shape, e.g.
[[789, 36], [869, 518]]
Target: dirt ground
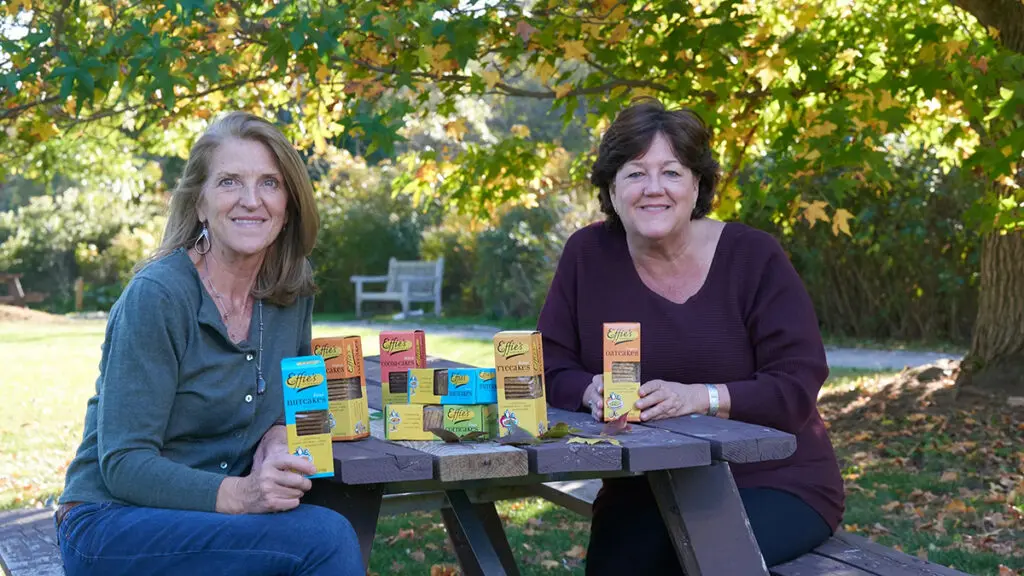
[[17, 314]]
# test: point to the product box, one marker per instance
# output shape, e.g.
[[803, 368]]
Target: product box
[[411, 421], [400, 351], [519, 366], [621, 370], [307, 412], [425, 384], [461, 420], [346, 386], [486, 386]]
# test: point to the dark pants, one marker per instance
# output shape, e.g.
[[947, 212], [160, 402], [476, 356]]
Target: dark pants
[[628, 536], [109, 539]]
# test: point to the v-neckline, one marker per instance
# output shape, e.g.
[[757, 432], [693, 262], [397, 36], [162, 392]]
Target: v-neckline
[[715, 257]]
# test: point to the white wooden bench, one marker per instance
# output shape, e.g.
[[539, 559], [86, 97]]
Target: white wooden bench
[[407, 281]]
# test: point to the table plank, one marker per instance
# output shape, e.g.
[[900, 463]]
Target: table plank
[[731, 440], [463, 461], [641, 449], [372, 461]]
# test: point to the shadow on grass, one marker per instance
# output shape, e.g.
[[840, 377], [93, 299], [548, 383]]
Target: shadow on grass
[[927, 471]]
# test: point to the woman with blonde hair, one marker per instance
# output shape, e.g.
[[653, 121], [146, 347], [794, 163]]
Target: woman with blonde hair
[[184, 466]]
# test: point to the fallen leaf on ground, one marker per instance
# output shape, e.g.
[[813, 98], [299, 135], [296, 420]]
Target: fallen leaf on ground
[[578, 552]]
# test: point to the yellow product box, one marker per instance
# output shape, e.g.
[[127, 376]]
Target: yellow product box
[[519, 366], [621, 370], [461, 420], [400, 351], [307, 412], [346, 386], [425, 383], [411, 421]]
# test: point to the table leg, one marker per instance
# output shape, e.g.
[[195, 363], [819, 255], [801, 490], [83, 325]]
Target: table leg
[[478, 536], [706, 520], [359, 504]]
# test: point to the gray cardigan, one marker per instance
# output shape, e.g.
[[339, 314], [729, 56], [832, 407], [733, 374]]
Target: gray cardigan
[[176, 407]]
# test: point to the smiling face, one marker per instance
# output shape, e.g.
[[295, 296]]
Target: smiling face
[[244, 199], [654, 194]]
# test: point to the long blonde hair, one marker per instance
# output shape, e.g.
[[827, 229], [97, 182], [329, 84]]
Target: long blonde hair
[[285, 273]]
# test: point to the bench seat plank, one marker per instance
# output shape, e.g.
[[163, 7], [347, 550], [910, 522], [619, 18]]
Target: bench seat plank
[[877, 559], [815, 565], [733, 441]]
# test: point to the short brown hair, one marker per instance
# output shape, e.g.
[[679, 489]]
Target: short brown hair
[[630, 136], [286, 273]]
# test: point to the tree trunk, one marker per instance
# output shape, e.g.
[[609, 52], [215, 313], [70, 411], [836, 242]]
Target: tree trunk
[[996, 360]]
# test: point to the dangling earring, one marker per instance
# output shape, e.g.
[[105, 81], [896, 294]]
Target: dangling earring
[[204, 234]]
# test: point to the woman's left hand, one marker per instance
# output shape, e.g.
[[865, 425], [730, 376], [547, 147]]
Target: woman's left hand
[[664, 399]]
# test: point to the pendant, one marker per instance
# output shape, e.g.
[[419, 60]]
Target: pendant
[[261, 385]]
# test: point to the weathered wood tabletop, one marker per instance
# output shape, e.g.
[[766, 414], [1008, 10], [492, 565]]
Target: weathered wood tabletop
[[685, 459]]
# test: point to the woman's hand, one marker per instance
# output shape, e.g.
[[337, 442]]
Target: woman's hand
[[593, 397], [274, 440], [276, 482], [663, 399]]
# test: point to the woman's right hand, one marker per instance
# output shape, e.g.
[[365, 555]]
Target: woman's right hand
[[593, 397], [275, 484]]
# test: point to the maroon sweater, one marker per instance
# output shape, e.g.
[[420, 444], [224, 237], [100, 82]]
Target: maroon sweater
[[751, 327]]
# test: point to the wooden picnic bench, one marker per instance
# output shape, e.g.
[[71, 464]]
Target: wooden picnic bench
[[406, 282], [685, 459], [15, 294]]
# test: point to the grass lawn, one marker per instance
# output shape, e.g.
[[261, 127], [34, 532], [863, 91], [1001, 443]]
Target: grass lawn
[[931, 475]]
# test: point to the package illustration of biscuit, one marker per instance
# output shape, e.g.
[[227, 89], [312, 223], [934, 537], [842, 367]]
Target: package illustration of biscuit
[[462, 420], [307, 412], [519, 367], [621, 370], [424, 384], [400, 351], [412, 421], [346, 386]]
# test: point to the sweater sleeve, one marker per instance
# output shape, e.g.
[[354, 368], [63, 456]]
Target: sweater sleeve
[[789, 354], [565, 378], [138, 386], [306, 330]]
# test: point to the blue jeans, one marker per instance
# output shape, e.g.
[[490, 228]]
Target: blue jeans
[[112, 539]]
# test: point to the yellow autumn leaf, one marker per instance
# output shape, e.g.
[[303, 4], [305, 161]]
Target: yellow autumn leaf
[[811, 155], [993, 32], [619, 33], [806, 16], [520, 131], [575, 50], [593, 441], [491, 78], [848, 56], [927, 53], [886, 102], [603, 6], [823, 129], [43, 130], [814, 211], [436, 57], [71, 106], [954, 47], [841, 222], [456, 129], [544, 71], [12, 7], [322, 73], [562, 90], [592, 29]]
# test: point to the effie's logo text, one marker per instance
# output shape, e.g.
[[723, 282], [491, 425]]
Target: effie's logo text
[[618, 335], [511, 348], [395, 345]]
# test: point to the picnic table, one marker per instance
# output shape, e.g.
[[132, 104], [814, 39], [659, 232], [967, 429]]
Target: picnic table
[[15, 295], [686, 460]]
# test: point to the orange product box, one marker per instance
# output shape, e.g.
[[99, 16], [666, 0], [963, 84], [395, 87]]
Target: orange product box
[[400, 352], [519, 366], [346, 386], [621, 370]]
